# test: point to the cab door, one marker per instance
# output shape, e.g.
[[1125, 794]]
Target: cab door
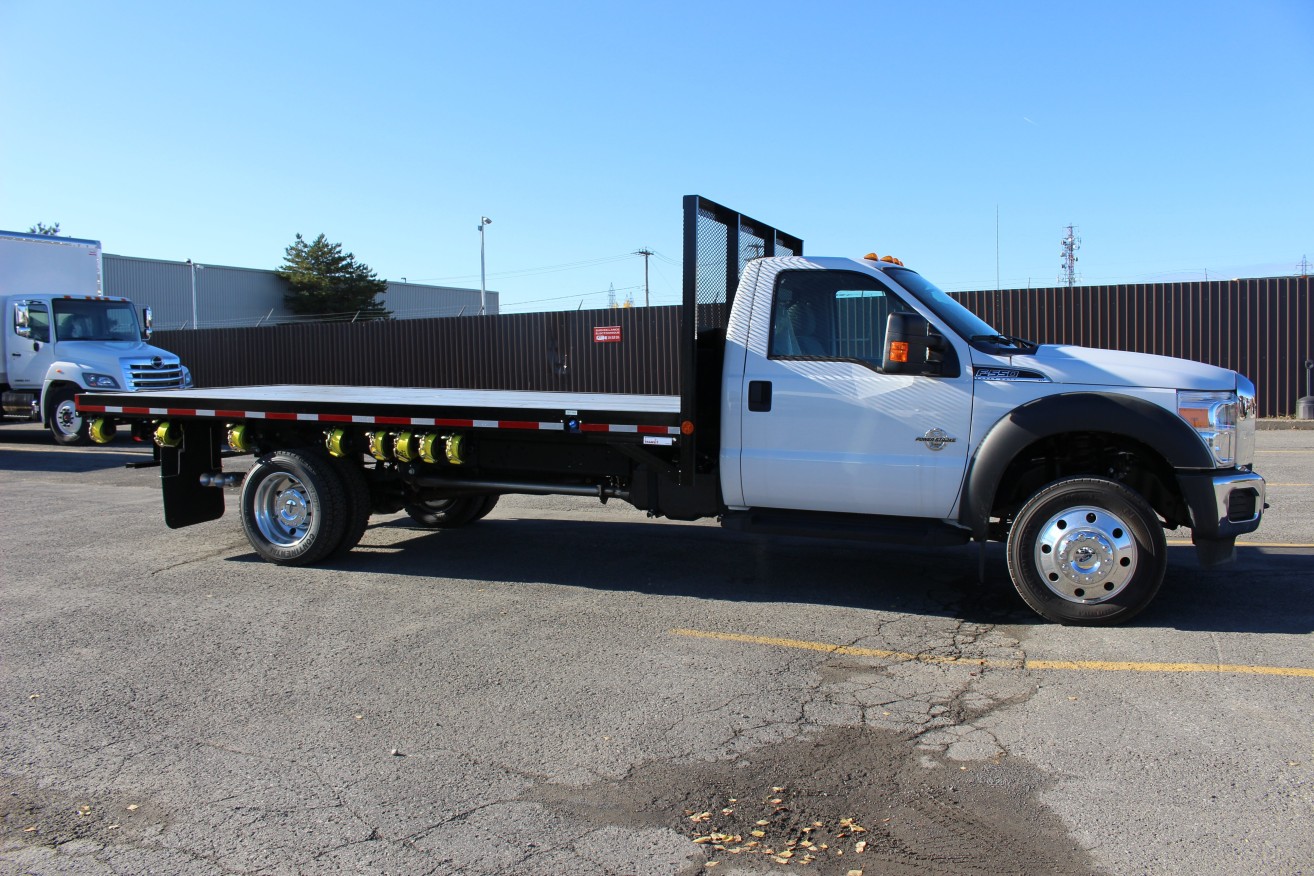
[[29, 356], [822, 428]]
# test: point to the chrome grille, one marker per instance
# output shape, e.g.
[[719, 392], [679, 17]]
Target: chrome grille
[[155, 374]]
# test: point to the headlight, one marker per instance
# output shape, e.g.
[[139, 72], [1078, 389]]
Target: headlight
[[99, 381], [1214, 416], [187, 377]]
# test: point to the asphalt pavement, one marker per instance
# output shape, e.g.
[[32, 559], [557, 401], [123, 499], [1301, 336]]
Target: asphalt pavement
[[568, 687]]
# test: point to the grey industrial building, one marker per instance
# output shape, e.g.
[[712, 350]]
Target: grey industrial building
[[229, 297]]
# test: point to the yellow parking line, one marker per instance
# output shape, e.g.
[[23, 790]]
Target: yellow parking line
[[1179, 542], [1037, 665]]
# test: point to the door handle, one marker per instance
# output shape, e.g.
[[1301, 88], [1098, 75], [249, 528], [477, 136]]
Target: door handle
[[759, 395]]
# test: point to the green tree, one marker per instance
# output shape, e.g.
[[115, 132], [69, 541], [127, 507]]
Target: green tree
[[43, 228], [325, 281]]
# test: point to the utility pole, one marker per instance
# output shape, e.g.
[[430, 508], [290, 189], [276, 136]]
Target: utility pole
[[645, 252]]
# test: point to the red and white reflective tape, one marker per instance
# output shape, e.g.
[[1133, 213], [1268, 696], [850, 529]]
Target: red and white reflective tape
[[359, 419]]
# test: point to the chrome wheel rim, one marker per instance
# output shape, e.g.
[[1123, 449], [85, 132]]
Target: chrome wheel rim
[[67, 419], [283, 510], [1086, 555]]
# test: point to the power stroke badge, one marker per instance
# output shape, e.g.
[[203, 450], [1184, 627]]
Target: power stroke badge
[[936, 439]]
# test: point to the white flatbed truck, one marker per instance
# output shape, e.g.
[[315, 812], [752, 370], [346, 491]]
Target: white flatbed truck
[[826, 397]]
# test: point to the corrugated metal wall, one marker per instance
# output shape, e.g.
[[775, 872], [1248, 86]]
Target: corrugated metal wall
[[228, 297], [533, 351], [1263, 328]]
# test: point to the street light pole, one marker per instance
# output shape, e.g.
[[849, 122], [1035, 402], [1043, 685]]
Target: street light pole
[[192, 265], [483, 286]]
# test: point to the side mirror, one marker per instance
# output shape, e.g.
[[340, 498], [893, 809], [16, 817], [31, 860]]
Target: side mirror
[[147, 323], [914, 346], [22, 321]]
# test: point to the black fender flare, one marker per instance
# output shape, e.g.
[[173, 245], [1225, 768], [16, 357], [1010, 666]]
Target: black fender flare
[[1163, 431]]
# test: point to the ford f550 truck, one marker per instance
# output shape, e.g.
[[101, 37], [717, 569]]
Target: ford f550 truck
[[829, 397], [61, 335]]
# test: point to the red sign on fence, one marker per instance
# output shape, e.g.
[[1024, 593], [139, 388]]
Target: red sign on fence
[[606, 334]]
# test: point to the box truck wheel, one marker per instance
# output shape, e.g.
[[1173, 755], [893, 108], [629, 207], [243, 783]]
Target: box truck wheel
[[66, 424], [294, 507], [450, 513], [1087, 551]]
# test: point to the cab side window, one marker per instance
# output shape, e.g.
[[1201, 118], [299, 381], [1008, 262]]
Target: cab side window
[[830, 315], [38, 320]]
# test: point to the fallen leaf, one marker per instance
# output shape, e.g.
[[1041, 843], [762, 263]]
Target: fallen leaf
[[780, 860], [854, 873], [29, 829], [34, 697], [112, 827], [727, 812], [758, 833], [860, 846], [776, 801], [777, 790], [711, 864], [785, 854], [700, 817], [701, 840], [762, 822], [132, 807]]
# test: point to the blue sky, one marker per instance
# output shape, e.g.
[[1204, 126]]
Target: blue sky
[[1177, 136]]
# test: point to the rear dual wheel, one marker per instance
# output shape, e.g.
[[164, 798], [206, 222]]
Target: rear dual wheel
[[300, 507], [1087, 551]]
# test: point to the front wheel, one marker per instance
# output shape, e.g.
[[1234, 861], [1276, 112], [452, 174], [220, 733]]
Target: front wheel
[[450, 513], [1087, 551], [67, 425], [295, 507]]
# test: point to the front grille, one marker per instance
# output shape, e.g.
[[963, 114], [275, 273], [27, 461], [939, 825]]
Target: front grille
[[1241, 505], [148, 375]]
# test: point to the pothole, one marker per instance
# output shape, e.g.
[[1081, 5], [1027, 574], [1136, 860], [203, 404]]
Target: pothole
[[838, 801]]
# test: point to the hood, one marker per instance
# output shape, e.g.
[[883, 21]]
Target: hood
[[101, 351], [1085, 365]]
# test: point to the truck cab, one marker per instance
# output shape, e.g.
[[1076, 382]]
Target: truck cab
[[857, 394], [59, 345]]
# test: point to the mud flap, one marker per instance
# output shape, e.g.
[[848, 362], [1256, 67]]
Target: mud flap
[[186, 502]]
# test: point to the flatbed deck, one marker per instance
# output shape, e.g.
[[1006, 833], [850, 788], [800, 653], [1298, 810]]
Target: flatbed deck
[[394, 406]]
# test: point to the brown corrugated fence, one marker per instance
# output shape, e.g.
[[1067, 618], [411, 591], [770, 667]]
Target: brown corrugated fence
[[1262, 327]]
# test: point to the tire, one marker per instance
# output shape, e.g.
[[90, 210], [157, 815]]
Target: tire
[[67, 425], [1087, 551], [359, 505], [449, 513], [295, 508], [490, 502]]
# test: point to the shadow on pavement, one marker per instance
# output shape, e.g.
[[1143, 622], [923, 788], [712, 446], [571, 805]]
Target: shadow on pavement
[[1262, 593]]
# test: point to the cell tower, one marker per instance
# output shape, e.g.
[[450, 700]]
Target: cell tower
[[1068, 267], [611, 296]]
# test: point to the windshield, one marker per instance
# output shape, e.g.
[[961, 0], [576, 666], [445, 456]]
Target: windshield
[[95, 319], [963, 321]]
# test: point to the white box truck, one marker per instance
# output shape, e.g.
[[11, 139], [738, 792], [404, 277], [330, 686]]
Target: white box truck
[[62, 335]]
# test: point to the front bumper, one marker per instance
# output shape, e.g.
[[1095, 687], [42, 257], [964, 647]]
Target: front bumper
[[1224, 504]]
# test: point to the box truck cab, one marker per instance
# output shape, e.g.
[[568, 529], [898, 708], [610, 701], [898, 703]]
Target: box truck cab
[[62, 336]]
